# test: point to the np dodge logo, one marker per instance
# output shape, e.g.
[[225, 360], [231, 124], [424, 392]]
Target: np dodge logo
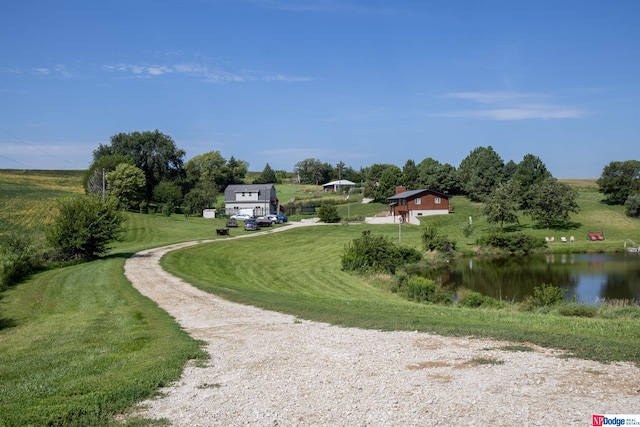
[[597, 420]]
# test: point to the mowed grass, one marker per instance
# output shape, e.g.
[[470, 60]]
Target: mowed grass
[[298, 272], [78, 344]]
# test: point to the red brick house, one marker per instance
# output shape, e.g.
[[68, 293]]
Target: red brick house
[[408, 206]]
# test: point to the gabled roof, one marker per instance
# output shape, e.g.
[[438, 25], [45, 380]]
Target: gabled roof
[[340, 182], [415, 193], [231, 190]]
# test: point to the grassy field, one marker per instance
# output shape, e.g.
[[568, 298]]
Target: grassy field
[[280, 276], [78, 344]]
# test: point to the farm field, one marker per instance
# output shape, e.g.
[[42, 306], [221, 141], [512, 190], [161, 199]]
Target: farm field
[[78, 344]]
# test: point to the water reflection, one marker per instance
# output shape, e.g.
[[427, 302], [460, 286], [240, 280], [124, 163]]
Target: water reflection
[[587, 277]]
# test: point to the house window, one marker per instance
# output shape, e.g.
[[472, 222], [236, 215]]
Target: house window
[[437, 200], [418, 201], [403, 202]]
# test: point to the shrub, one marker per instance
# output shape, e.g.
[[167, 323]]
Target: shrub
[[328, 213], [515, 243], [19, 258], [421, 289], [376, 254], [168, 209], [432, 241], [468, 229], [477, 300], [546, 295], [84, 226], [633, 205]]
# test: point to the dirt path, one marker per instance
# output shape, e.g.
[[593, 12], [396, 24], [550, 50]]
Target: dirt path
[[269, 369]]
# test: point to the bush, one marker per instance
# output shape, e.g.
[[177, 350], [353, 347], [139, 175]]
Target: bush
[[376, 254], [421, 289], [633, 205], [168, 209], [432, 241], [328, 213], [477, 300], [514, 243], [546, 295], [84, 226], [19, 258]]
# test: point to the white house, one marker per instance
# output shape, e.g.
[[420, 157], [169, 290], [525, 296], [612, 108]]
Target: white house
[[261, 198]]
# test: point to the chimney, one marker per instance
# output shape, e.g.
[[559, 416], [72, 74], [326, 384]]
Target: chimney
[[400, 189]]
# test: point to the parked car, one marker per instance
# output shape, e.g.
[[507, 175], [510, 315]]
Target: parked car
[[241, 217], [282, 218], [264, 222], [251, 224], [274, 218]]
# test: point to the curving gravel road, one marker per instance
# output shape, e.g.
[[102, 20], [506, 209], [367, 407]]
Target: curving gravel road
[[271, 369]]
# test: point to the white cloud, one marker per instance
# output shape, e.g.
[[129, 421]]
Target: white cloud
[[207, 74], [41, 71], [512, 106], [494, 97], [282, 78]]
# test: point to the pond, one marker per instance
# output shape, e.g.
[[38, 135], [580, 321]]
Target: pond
[[589, 278]]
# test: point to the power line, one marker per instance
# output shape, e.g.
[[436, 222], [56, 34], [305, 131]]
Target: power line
[[15, 161], [35, 147]]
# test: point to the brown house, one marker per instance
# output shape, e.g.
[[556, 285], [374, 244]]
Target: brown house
[[408, 206]]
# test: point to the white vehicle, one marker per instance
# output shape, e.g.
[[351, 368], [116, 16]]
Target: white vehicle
[[274, 218], [241, 217]]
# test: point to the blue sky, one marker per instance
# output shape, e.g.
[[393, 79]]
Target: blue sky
[[362, 82]]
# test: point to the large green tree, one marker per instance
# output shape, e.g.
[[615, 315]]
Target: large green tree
[[529, 172], [212, 171], [155, 153], [268, 176], [552, 202], [391, 178], [94, 178], [127, 184], [438, 176], [84, 226], [410, 175], [500, 206], [373, 175], [313, 171], [619, 180], [480, 172]]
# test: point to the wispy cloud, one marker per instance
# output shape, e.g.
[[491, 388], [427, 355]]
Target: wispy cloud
[[203, 72], [512, 106]]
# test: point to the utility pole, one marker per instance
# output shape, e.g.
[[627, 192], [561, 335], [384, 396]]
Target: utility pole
[[104, 184]]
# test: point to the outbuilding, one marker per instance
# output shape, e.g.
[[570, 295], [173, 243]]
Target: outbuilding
[[335, 186]]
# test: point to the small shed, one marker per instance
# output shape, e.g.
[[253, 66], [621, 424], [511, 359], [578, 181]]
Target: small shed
[[209, 213]]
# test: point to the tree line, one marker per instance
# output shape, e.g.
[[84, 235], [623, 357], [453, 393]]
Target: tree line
[[147, 167]]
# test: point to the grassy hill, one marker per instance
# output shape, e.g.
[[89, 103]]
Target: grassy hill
[[78, 344]]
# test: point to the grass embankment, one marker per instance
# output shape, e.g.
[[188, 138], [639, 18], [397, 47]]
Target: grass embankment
[[298, 272], [78, 344]]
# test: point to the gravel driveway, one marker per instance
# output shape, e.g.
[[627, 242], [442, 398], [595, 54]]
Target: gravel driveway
[[272, 369]]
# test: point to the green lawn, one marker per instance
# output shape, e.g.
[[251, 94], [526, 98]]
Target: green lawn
[[78, 344], [298, 272]]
